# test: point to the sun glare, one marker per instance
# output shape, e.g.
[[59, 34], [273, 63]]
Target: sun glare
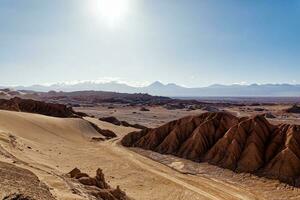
[[111, 12]]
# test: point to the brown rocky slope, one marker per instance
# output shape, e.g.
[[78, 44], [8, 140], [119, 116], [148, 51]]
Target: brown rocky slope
[[115, 121], [32, 106], [250, 145], [294, 109], [22, 184]]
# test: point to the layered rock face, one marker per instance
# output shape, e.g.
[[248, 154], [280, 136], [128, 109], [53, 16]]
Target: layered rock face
[[250, 145], [32, 106]]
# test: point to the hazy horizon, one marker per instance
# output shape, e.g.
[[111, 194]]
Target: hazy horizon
[[132, 83], [191, 43]]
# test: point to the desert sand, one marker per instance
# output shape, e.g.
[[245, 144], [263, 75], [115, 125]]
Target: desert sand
[[50, 147]]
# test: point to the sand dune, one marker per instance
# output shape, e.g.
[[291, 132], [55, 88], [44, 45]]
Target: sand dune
[[39, 128]]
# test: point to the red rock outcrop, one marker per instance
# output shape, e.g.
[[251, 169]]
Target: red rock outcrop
[[32, 106], [115, 121], [111, 120], [143, 109], [250, 145], [97, 186], [108, 134], [293, 109]]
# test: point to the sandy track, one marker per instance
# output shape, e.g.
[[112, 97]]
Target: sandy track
[[206, 188]]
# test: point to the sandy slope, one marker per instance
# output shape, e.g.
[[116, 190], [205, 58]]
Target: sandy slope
[[19, 183], [50, 147]]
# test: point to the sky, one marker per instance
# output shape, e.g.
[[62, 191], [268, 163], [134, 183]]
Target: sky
[[188, 42]]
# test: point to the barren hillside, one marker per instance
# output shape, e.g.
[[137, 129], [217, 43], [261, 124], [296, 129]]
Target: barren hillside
[[250, 145]]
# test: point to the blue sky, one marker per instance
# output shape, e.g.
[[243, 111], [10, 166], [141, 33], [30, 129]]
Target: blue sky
[[191, 42]]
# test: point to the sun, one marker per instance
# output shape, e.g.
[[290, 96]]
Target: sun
[[111, 12]]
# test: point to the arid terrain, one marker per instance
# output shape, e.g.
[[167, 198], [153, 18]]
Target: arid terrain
[[159, 115], [149, 100], [47, 148]]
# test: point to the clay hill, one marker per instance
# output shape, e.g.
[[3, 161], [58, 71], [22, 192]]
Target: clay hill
[[96, 97], [293, 109], [92, 98], [32, 106], [84, 97], [115, 121], [249, 145]]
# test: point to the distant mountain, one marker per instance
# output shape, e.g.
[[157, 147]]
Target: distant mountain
[[84, 86], [171, 89]]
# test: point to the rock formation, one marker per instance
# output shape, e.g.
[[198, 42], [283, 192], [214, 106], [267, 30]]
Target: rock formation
[[97, 186], [210, 109], [143, 109], [293, 109], [250, 145], [115, 121], [269, 115], [111, 120], [32, 106], [108, 134]]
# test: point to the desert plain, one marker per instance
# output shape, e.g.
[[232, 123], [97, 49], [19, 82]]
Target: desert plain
[[37, 152]]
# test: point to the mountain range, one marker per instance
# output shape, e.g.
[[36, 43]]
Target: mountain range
[[173, 90]]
